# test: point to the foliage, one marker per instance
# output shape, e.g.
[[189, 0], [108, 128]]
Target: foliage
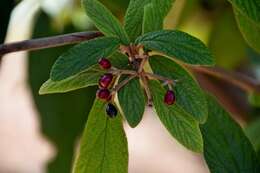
[[186, 92], [248, 18], [103, 144], [147, 61], [180, 124], [226, 148]]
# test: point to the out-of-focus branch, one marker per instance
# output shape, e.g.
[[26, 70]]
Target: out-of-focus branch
[[229, 96], [48, 42], [242, 81]]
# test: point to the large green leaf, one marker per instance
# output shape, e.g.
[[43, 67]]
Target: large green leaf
[[226, 148], [103, 147], [249, 29], [253, 133], [180, 124], [154, 14], [78, 81], [132, 101], [248, 18], [82, 56], [134, 18], [250, 8], [189, 95], [104, 20], [254, 99], [177, 44], [84, 79]]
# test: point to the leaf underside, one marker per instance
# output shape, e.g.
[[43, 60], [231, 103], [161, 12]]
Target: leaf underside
[[103, 146]]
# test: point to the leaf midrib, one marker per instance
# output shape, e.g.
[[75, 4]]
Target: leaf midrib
[[104, 148]]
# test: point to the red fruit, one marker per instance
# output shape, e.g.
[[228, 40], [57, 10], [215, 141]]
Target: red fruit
[[104, 63], [103, 94], [105, 80], [169, 97]]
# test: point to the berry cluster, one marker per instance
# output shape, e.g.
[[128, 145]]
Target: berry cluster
[[105, 82]]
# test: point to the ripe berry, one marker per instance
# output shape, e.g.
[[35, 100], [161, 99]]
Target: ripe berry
[[169, 97], [104, 63], [105, 80], [111, 110], [104, 94]]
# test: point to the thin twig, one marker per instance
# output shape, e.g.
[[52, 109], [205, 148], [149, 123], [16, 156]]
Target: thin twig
[[142, 64], [121, 71], [147, 91], [123, 83], [238, 79], [48, 42], [161, 78]]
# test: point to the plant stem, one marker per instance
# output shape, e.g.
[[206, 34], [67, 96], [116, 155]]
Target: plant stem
[[147, 90], [144, 60], [237, 79], [48, 42], [120, 71], [161, 78], [123, 83]]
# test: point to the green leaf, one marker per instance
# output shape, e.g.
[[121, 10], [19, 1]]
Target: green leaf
[[103, 147], [249, 29], [134, 18], [179, 45], [82, 56], [226, 148], [248, 18], [180, 124], [251, 8], [252, 131], [154, 14], [254, 99], [104, 20], [84, 79], [189, 95], [132, 101]]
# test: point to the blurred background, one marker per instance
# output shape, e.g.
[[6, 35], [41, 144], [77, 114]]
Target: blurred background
[[39, 134]]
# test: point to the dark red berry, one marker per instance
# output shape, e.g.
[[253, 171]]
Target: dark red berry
[[169, 97], [111, 110], [103, 94], [104, 63], [105, 80]]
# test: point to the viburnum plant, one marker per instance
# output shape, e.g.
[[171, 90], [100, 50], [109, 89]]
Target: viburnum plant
[[140, 64]]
